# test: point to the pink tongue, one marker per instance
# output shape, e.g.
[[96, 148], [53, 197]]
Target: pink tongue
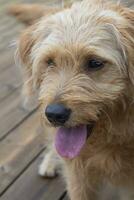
[[69, 141]]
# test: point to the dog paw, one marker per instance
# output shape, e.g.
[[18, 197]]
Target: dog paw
[[49, 166], [47, 171]]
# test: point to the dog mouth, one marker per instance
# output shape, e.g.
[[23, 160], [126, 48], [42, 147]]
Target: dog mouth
[[70, 141]]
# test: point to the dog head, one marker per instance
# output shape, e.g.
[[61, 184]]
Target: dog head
[[81, 62]]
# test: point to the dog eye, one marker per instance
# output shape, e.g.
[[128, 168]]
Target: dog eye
[[94, 64], [50, 62]]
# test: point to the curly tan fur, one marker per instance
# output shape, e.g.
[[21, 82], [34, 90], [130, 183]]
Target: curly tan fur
[[90, 29]]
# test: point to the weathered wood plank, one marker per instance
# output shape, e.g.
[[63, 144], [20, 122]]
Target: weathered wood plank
[[18, 149], [30, 186], [5, 45], [6, 59], [12, 113], [5, 91], [11, 26], [11, 76]]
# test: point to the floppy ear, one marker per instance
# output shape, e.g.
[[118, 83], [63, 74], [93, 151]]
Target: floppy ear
[[129, 41], [28, 14], [130, 17], [29, 43], [28, 39], [26, 43]]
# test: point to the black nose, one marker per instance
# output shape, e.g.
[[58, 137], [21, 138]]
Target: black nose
[[57, 114]]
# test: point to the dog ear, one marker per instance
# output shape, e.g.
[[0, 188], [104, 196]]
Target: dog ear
[[28, 14], [129, 41], [29, 43], [130, 17], [26, 43]]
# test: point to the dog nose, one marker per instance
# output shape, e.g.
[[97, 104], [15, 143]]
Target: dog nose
[[57, 114]]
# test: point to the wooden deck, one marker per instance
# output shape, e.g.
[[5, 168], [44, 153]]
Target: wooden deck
[[21, 141]]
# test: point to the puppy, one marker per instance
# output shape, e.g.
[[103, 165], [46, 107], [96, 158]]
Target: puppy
[[80, 60]]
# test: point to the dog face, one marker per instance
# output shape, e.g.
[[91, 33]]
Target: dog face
[[81, 61]]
